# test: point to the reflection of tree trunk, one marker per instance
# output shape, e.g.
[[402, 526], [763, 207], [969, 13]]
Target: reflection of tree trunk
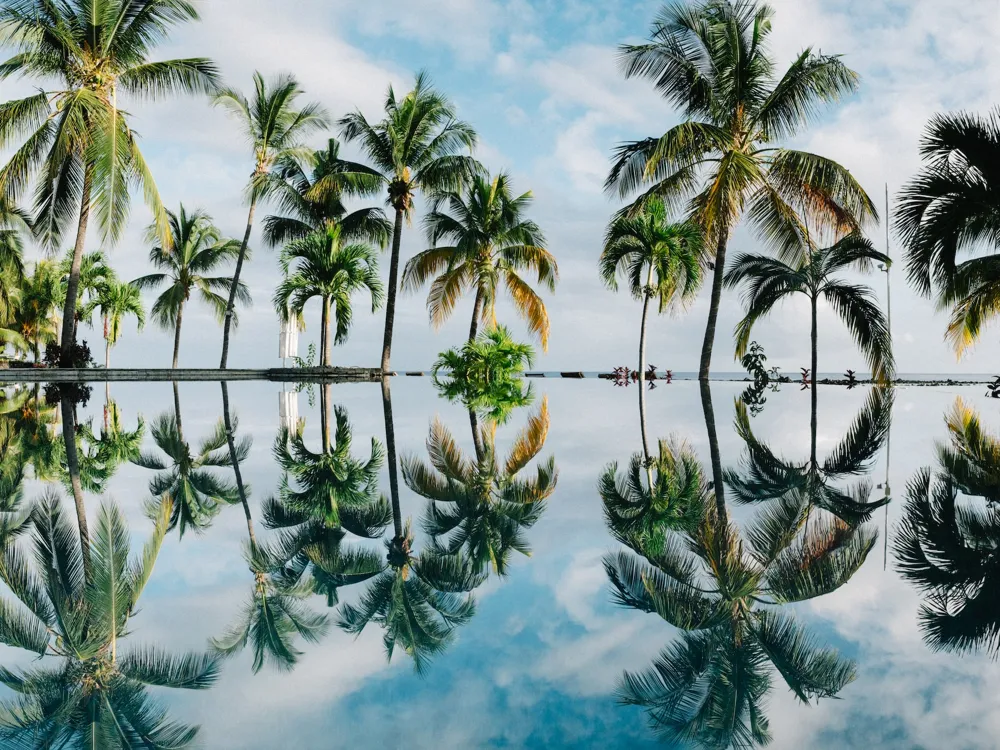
[[177, 333], [73, 282], [326, 331], [107, 404], [477, 313], [325, 395], [477, 436], [713, 309], [642, 376], [713, 444], [231, 305], [177, 410], [73, 462], [390, 298], [390, 447], [231, 439], [107, 354], [815, 384]]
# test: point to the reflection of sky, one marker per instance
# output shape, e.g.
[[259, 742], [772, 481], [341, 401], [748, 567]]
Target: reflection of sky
[[537, 665]]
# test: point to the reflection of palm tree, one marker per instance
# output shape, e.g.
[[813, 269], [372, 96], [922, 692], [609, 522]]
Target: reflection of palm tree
[[725, 592], [274, 613], [98, 696], [417, 599], [331, 493], [481, 507], [183, 475], [765, 477], [951, 549]]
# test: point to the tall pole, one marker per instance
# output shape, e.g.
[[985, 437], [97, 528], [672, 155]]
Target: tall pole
[[888, 437]]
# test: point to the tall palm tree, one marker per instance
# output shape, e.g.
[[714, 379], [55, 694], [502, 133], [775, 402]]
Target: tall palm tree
[[274, 612], [275, 131], [309, 191], [414, 147], [321, 265], [725, 591], [489, 244], [15, 225], [95, 274], [672, 257], [948, 543], [712, 61], [480, 507], [185, 477], [770, 281], [323, 497], [80, 150], [115, 301], [198, 248], [98, 694], [949, 209]]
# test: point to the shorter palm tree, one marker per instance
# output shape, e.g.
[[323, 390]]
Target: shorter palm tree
[[36, 321], [15, 225], [770, 280], [491, 244], [115, 301], [198, 249], [95, 274], [321, 265], [184, 477], [98, 695], [672, 256]]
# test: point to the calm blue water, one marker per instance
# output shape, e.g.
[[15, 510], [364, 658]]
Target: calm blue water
[[540, 661]]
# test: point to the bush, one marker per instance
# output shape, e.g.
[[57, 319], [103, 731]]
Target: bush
[[79, 356]]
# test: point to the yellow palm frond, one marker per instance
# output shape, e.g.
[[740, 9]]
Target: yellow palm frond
[[444, 453], [445, 293], [425, 265], [969, 437], [530, 440], [530, 306], [970, 314]]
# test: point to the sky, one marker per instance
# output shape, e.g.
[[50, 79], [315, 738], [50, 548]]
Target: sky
[[538, 80]]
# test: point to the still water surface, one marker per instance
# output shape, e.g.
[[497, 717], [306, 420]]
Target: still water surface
[[536, 654]]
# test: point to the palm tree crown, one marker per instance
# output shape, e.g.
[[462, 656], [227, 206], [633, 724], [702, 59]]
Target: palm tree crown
[[115, 301], [198, 249], [950, 208], [489, 243], [414, 147], [711, 59], [79, 143]]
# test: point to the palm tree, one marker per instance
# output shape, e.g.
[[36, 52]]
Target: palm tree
[[950, 548], [673, 496], [767, 478], [116, 445], [672, 257], [415, 147], [480, 507], [309, 191], [274, 612], [321, 265], [198, 248], [490, 243], [15, 225], [275, 131], [711, 60], [98, 695], [95, 274], [115, 301], [323, 497], [80, 149], [184, 477], [769, 281], [950, 208], [724, 592], [35, 319]]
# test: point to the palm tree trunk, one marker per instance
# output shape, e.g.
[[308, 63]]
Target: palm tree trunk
[[713, 308], [642, 377], [390, 300], [324, 409], [815, 383], [326, 331], [231, 440], [713, 446], [390, 448], [107, 354], [231, 305], [73, 463], [477, 313], [177, 410], [477, 437], [73, 283], [177, 333]]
